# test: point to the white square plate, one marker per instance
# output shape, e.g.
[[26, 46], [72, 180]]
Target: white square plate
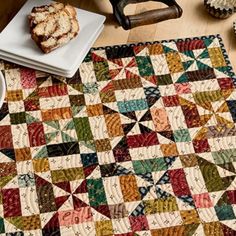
[[16, 39], [2, 89], [38, 66]]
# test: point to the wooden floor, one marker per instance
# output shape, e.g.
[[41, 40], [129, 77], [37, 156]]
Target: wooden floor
[[194, 22]]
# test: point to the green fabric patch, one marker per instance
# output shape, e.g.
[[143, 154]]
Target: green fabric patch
[[30, 119], [208, 41], [53, 124], [88, 144], [69, 126], [182, 135], [209, 96], [189, 53], [49, 137], [187, 64], [96, 192], [66, 138], [2, 227], [182, 79], [76, 109], [224, 156], [225, 212], [164, 79], [18, 118], [17, 222], [167, 49], [101, 70], [145, 66], [148, 166], [67, 175], [83, 130], [42, 153], [5, 179], [204, 54], [90, 88], [202, 66], [211, 176], [132, 105]]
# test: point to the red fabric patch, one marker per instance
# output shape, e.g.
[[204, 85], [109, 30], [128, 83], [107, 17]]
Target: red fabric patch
[[126, 234], [171, 101], [11, 202], [5, 137], [232, 196], [226, 83], [117, 61], [142, 140], [130, 75], [61, 200], [28, 78], [109, 87], [138, 49], [182, 88], [152, 79], [82, 188], [179, 182], [202, 200], [192, 117], [121, 154], [32, 105], [227, 231], [89, 169], [103, 209], [132, 63], [9, 169], [52, 91], [201, 146], [138, 223], [96, 58], [64, 185], [36, 134], [40, 181], [78, 203], [52, 224], [114, 73], [190, 45]]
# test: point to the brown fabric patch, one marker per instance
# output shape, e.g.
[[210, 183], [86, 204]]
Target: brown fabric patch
[[174, 62], [169, 149], [41, 165], [189, 160], [129, 188], [56, 114], [94, 110], [23, 154], [14, 95], [155, 49], [103, 145], [118, 211], [127, 83], [114, 126]]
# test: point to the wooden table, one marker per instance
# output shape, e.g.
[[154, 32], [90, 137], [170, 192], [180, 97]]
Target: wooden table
[[194, 22]]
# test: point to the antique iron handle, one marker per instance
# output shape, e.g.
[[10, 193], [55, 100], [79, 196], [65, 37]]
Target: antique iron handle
[[149, 17]]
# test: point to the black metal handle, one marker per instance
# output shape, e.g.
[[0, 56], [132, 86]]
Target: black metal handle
[[149, 17]]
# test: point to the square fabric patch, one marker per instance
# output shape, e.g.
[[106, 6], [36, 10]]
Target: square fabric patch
[[140, 142]]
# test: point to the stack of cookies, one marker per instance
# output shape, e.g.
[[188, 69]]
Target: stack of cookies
[[52, 37]]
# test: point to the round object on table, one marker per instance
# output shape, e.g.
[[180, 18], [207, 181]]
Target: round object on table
[[234, 26], [220, 8]]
